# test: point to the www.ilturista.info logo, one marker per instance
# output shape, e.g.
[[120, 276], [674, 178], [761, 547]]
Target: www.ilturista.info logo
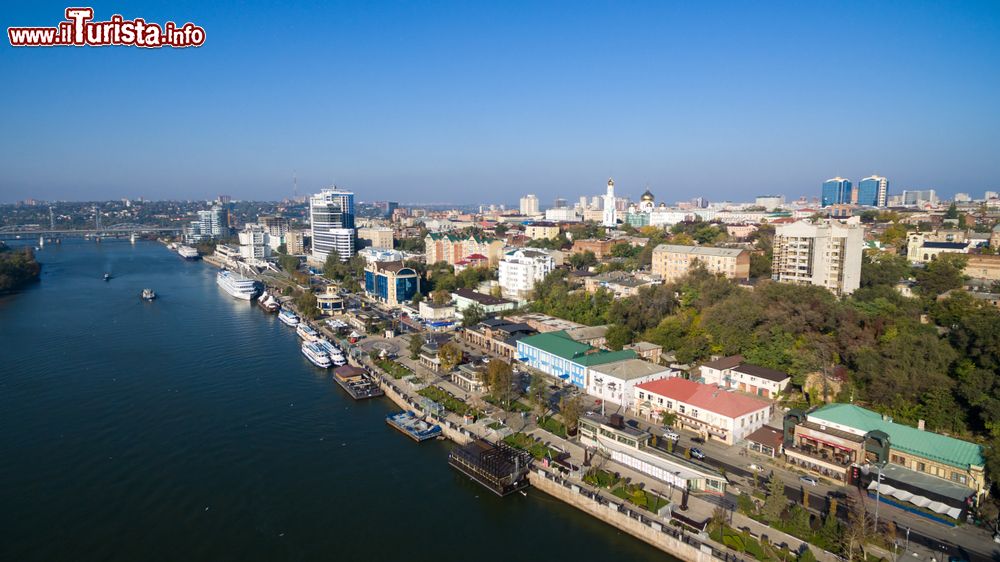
[[78, 30]]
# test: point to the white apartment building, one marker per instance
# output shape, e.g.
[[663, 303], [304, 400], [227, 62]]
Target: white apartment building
[[254, 242], [562, 214], [826, 253], [521, 269]]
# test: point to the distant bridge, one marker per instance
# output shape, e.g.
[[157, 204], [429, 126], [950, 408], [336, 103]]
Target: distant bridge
[[116, 230]]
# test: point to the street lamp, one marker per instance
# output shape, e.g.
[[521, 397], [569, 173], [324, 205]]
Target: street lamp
[[878, 489]]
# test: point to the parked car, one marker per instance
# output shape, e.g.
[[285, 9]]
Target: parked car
[[696, 453], [808, 480], [671, 434], [755, 468], [698, 440]]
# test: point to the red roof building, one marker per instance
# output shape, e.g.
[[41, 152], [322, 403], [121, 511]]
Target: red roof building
[[709, 410]]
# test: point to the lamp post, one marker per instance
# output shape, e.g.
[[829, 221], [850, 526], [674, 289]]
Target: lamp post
[[878, 489], [907, 547]]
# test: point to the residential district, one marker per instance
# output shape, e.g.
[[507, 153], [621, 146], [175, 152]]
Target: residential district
[[771, 380]]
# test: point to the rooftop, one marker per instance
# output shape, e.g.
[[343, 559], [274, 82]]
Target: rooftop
[[927, 444], [483, 299], [630, 369], [946, 245], [725, 362], [707, 397], [767, 435], [762, 372], [700, 250], [560, 344]]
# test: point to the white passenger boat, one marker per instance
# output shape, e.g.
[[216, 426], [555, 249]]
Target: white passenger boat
[[188, 253], [288, 317], [316, 355], [237, 286], [333, 351], [306, 333]]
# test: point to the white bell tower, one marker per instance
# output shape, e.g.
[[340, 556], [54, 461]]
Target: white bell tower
[[610, 213]]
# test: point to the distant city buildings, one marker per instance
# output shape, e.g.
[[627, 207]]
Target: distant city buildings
[[331, 214], [826, 253], [254, 242], [769, 202], [453, 248], [919, 198], [295, 242], [211, 223], [529, 205]]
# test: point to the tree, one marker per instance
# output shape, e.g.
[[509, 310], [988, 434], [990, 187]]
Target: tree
[[775, 502], [450, 356], [941, 275], [583, 260], [618, 336], [417, 299], [472, 315], [440, 297], [760, 266], [288, 263], [500, 379], [858, 530], [305, 302], [882, 268], [952, 212], [536, 392], [331, 266], [571, 409], [416, 342], [806, 555], [667, 418]]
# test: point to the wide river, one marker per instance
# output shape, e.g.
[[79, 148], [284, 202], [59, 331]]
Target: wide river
[[191, 428]]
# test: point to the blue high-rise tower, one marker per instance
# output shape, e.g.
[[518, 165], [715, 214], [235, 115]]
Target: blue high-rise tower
[[836, 191], [873, 191]]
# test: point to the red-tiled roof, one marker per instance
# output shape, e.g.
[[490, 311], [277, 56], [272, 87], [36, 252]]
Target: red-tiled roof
[[707, 397], [476, 257]]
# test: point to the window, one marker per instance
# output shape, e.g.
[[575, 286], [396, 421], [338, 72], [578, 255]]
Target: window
[[660, 400], [921, 467], [642, 396], [682, 408], [958, 477], [898, 459]]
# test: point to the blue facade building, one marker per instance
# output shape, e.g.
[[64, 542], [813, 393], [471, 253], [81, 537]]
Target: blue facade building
[[873, 191], [391, 282], [558, 355], [836, 191]]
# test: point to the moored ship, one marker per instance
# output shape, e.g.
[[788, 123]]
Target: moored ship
[[288, 318], [316, 355], [268, 302], [236, 285], [306, 333], [188, 253]]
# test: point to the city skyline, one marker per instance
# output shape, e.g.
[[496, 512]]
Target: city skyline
[[450, 101]]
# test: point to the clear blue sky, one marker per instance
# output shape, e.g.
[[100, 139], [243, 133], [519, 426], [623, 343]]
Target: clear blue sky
[[484, 101]]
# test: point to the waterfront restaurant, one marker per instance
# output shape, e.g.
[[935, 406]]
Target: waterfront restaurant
[[629, 446], [330, 302], [919, 467]]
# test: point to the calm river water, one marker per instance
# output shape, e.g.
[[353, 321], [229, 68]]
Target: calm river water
[[191, 428]]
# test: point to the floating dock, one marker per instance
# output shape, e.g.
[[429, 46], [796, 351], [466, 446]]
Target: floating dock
[[412, 426], [357, 382], [499, 467]]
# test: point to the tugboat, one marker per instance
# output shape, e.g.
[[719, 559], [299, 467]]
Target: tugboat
[[107, 276], [148, 295]]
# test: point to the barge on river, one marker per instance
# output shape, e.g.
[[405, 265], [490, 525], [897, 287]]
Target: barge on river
[[357, 382], [500, 468], [414, 427]]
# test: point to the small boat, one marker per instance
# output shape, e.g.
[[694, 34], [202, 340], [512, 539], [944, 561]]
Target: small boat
[[148, 294], [107, 276], [412, 426], [288, 317]]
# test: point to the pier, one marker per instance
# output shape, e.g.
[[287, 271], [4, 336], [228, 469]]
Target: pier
[[357, 382], [499, 467]]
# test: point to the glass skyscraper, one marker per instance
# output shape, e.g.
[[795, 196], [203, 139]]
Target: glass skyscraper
[[836, 191], [873, 191], [331, 215]]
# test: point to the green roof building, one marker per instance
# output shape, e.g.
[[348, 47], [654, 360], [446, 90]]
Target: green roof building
[[558, 355]]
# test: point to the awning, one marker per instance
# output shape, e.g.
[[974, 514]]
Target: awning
[[937, 507], [564, 376]]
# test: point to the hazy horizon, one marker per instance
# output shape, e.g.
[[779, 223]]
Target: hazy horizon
[[483, 102]]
